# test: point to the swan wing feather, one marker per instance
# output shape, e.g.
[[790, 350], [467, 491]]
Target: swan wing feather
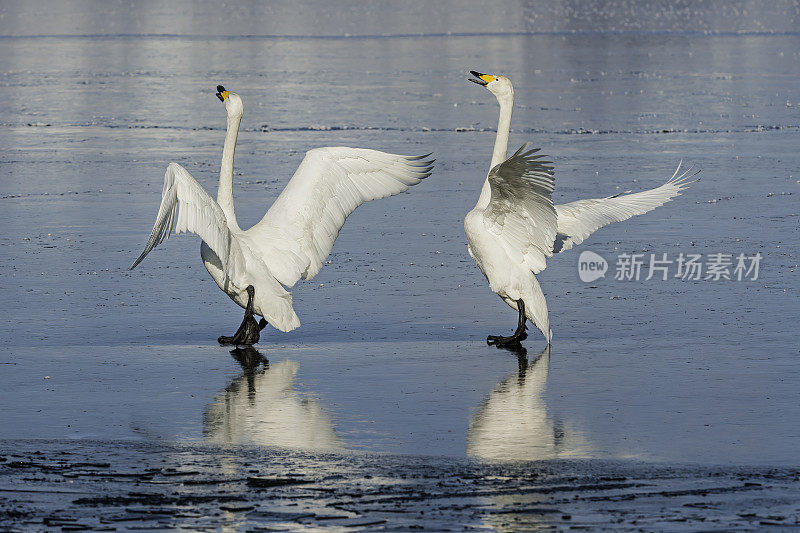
[[298, 231], [187, 207], [577, 220], [520, 212]]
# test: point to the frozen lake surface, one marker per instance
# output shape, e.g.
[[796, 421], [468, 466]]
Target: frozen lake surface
[[391, 356], [198, 487]]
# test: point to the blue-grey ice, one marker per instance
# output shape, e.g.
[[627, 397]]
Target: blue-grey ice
[[99, 98]]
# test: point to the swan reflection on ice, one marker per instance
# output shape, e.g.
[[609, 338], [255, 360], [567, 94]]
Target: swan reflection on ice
[[262, 407], [512, 423]]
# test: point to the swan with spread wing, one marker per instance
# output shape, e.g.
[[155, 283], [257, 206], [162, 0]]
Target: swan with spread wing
[[295, 236], [515, 226]]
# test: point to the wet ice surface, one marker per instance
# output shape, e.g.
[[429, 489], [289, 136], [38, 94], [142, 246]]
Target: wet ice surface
[[391, 356], [144, 485]]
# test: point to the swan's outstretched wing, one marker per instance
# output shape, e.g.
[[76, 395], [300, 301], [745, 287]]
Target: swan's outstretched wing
[[577, 220], [520, 212], [298, 231], [185, 206]]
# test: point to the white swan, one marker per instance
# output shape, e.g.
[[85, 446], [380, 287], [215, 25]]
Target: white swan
[[294, 237], [514, 226]]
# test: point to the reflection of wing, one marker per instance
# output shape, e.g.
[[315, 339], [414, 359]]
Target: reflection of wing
[[512, 424], [261, 407]]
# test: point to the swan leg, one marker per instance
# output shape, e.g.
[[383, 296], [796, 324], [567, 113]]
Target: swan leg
[[249, 331], [519, 334]]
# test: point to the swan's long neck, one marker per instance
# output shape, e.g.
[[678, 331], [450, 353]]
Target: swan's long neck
[[503, 127], [500, 144], [225, 191]]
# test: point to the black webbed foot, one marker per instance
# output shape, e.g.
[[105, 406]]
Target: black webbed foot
[[519, 335], [249, 331], [504, 342], [247, 334]]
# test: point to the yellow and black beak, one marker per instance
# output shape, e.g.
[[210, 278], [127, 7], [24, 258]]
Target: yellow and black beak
[[222, 94], [482, 79]]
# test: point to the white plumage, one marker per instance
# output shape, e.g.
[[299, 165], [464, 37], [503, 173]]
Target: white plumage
[[298, 231], [515, 227], [577, 220]]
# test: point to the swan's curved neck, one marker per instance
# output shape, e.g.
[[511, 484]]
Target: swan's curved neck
[[500, 144], [225, 191], [503, 127]]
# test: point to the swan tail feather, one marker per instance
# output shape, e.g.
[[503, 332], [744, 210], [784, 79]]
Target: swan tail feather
[[281, 314], [274, 303]]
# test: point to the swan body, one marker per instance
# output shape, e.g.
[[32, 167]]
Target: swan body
[[515, 226], [296, 234]]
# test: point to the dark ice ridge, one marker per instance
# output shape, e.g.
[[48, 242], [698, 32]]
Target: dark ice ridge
[[53, 485], [750, 128]]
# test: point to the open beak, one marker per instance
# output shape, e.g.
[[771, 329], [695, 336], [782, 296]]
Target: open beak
[[482, 79], [222, 94]]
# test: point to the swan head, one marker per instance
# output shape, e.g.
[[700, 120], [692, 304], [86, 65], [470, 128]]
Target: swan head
[[232, 101], [500, 86]]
